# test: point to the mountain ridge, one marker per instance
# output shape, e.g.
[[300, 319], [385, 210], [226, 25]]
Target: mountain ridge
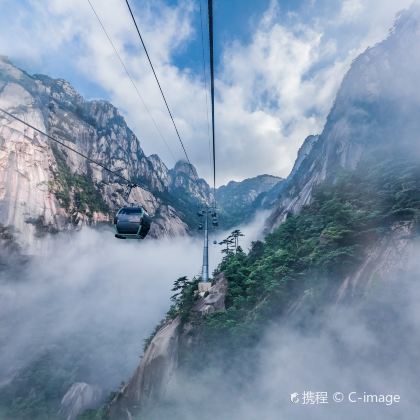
[[47, 189], [375, 111]]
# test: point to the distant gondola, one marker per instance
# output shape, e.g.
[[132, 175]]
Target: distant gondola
[[132, 223]]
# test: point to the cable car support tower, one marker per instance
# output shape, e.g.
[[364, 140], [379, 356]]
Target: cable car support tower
[[205, 269], [204, 225], [204, 285]]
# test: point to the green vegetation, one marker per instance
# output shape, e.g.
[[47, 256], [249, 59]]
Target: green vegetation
[[184, 298], [304, 260], [184, 203], [310, 253], [36, 389], [231, 243], [182, 302], [35, 393], [92, 414], [81, 112], [239, 201], [10, 250], [86, 197]]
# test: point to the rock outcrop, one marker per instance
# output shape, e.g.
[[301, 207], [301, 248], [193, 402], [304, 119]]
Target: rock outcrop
[[213, 300], [157, 369], [45, 188], [384, 261], [78, 398], [375, 113], [240, 200]]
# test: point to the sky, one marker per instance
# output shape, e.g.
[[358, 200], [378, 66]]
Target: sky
[[279, 64]]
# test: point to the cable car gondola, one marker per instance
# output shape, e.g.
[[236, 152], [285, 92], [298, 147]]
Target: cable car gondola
[[132, 223]]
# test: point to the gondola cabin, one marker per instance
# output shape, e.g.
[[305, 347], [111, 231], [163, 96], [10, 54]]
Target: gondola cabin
[[132, 223]]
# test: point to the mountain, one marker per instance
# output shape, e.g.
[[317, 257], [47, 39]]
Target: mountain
[[327, 293], [375, 113], [45, 188], [240, 200]]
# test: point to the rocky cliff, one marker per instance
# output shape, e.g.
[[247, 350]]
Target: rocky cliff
[[240, 200], [375, 113], [78, 398], [45, 188], [157, 372]]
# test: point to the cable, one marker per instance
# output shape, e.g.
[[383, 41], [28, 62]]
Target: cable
[[210, 11], [205, 83], [75, 151], [160, 87], [132, 81]]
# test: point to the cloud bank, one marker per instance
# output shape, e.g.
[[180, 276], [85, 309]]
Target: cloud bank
[[97, 298]]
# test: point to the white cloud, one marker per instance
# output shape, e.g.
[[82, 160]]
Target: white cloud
[[350, 9], [271, 92]]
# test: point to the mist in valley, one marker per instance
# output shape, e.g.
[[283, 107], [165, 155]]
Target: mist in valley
[[90, 302], [369, 348]]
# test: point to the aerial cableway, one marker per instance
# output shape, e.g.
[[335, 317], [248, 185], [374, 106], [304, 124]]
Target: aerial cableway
[[210, 210], [131, 222], [136, 89], [160, 87]]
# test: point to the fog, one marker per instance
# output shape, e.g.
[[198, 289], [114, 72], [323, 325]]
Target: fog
[[96, 298], [93, 299], [370, 348]]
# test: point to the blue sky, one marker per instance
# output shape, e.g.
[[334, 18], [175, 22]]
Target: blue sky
[[279, 65], [234, 20]]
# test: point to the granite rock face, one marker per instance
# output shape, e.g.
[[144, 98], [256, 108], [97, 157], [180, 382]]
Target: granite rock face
[[158, 367], [240, 200], [375, 114], [45, 188], [78, 398]]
